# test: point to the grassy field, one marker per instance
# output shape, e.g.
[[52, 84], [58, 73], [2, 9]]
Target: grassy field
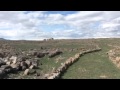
[[95, 65], [90, 66]]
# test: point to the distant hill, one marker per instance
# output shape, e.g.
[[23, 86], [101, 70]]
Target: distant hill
[[2, 39]]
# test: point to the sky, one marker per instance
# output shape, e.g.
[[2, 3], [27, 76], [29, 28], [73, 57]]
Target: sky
[[39, 25]]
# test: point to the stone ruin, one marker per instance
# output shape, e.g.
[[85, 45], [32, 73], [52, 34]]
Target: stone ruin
[[11, 61]]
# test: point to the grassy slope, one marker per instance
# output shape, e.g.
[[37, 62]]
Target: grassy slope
[[94, 65], [48, 64]]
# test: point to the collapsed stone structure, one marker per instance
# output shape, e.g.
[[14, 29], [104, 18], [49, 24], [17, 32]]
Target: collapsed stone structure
[[11, 61], [54, 53], [14, 64], [57, 73], [112, 56]]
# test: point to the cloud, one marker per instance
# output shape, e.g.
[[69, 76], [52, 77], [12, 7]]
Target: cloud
[[37, 25]]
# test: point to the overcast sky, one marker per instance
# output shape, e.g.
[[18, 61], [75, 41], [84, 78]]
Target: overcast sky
[[37, 25]]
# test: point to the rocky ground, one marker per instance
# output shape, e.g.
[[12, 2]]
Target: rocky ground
[[12, 61]]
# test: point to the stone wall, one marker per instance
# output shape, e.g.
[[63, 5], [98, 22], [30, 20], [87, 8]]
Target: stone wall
[[64, 66]]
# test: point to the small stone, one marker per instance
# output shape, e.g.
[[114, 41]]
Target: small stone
[[26, 72], [28, 62], [32, 67], [8, 62]]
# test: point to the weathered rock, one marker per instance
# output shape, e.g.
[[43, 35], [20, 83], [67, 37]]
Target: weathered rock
[[5, 60], [2, 63], [2, 73], [1, 54], [32, 67], [13, 59], [40, 55], [1, 59], [22, 58], [35, 63], [54, 53], [28, 62], [8, 70], [29, 71], [26, 72], [24, 67], [15, 67], [2, 69], [45, 52], [117, 58], [8, 62], [37, 74], [6, 66], [18, 63], [34, 53], [46, 75], [23, 63]]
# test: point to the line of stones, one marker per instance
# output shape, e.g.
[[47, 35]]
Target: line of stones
[[64, 66]]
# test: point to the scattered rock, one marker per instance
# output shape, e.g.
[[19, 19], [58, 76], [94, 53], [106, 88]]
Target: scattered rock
[[32, 67], [15, 67], [1, 54], [35, 63], [6, 66], [37, 74], [23, 63], [2, 63], [26, 72], [28, 63], [29, 71], [2, 73], [8, 62], [54, 53], [40, 55], [22, 58], [24, 67], [13, 59], [8, 70]]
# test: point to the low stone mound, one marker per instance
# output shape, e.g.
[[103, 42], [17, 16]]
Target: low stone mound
[[54, 53]]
